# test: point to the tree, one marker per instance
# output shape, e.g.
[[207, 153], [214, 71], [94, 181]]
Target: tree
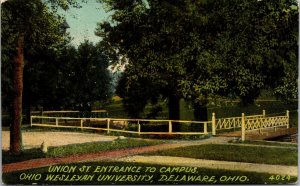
[[91, 74], [151, 49], [251, 48], [26, 26], [197, 50]]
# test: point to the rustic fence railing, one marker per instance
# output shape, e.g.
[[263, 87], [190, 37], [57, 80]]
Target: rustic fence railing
[[235, 122], [250, 124], [135, 126], [139, 126], [71, 113]]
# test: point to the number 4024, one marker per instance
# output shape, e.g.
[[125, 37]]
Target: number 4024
[[279, 177]]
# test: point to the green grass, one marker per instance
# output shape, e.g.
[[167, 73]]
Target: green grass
[[267, 155], [217, 176], [116, 110], [98, 147], [77, 149], [269, 143]]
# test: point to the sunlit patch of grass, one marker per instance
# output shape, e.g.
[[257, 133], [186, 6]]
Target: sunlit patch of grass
[[251, 154]]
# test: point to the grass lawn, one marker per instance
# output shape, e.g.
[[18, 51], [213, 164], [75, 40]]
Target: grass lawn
[[268, 143], [77, 149], [138, 174], [267, 155]]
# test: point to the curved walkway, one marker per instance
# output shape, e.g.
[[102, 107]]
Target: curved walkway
[[214, 164]]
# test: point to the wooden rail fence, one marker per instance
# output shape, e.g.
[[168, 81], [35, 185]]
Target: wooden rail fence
[[151, 126], [70, 113], [134, 126]]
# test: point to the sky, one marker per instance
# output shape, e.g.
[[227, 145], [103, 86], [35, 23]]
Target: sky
[[83, 21]]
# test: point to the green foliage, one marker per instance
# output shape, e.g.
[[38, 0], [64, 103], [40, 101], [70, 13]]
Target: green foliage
[[65, 4], [267, 155], [88, 67], [40, 27], [243, 54], [34, 19], [287, 88], [64, 78], [197, 50]]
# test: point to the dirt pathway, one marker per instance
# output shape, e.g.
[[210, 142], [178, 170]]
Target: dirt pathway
[[54, 139], [213, 164]]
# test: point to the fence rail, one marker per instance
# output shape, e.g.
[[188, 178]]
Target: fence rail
[[268, 122], [235, 122], [135, 126], [71, 113], [151, 126]]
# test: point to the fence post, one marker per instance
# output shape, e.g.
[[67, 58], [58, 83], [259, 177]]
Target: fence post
[[139, 129], [108, 121], [125, 125], [243, 127], [213, 120], [42, 119], [170, 126], [31, 121], [81, 123], [288, 119], [264, 113], [205, 127], [56, 121]]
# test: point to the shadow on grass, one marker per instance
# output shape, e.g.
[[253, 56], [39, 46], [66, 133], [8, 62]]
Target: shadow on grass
[[27, 154]]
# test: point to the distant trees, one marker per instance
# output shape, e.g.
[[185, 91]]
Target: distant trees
[[83, 76], [32, 48], [199, 49], [64, 78]]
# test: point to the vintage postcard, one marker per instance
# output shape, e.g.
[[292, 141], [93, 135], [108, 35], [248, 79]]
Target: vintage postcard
[[149, 92]]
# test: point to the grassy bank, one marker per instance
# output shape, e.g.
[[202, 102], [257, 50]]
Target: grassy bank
[[268, 143]]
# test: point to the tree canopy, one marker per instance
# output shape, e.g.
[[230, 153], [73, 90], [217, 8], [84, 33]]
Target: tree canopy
[[195, 50], [33, 50], [84, 76]]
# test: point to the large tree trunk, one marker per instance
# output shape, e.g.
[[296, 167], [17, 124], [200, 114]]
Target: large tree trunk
[[174, 113], [15, 128], [27, 95]]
